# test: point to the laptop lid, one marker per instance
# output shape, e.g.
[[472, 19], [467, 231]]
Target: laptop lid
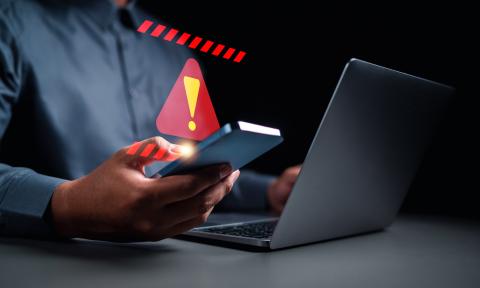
[[364, 156]]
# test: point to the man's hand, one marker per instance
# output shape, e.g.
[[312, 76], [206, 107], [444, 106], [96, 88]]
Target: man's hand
[[280, 189], [117, 202]]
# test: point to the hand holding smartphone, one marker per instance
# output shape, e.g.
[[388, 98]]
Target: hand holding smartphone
[[237, 144]]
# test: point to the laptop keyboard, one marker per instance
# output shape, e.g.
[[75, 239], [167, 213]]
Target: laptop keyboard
[[259, 230]]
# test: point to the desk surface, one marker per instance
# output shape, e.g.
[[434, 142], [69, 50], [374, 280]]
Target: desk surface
[[416, 251]]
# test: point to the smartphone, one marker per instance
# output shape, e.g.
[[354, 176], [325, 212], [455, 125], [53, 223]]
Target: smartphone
[[236, 143]]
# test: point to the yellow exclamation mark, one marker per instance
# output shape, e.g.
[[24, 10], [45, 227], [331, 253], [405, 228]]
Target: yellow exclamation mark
[[192, 85]]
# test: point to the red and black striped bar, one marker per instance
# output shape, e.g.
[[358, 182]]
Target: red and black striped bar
[[195, 42]]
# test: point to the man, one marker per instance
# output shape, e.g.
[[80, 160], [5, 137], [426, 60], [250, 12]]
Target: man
[[76, 84]]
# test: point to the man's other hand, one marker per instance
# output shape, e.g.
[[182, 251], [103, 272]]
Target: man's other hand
[[117, 202], [280, 189]]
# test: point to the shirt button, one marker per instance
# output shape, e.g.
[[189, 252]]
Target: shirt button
[[134, 93]]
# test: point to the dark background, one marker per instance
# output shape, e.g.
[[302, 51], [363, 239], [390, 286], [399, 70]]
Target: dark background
[[295, 54]]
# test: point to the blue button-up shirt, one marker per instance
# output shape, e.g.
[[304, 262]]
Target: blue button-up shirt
[[77, 82]]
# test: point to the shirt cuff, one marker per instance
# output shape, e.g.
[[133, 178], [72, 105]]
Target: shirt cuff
[[25, 204]]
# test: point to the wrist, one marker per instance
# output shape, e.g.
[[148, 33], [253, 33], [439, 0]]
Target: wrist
[[60, 211]]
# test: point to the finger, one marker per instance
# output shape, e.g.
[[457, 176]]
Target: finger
[[276, 205], [279, 208], [201, 203], [145, 152], [180, 187], [283, 188], [294, 170], [173, 153], [290, 175], [283, 193]]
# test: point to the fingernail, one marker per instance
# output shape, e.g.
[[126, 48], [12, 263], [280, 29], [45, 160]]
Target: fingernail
[[225, 170], [174, 148], [235, 175]]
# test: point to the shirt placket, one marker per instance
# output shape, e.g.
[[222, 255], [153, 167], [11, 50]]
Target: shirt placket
[[122, 46]]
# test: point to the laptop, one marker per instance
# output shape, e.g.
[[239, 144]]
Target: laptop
[[365, 154]]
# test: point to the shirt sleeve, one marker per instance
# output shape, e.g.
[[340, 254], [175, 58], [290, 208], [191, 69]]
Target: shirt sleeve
[[25, 197], [249, 193], [24, 194]]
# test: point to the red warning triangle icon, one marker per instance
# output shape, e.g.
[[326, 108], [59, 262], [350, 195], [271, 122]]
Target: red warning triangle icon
[[188, 111]]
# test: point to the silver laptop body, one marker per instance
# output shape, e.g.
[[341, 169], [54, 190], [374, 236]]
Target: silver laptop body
[[359, 167]]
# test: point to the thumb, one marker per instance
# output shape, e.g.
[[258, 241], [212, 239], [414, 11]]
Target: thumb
[[145, 152]]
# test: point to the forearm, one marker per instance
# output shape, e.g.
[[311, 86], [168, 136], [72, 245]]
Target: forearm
[[24, 200]]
